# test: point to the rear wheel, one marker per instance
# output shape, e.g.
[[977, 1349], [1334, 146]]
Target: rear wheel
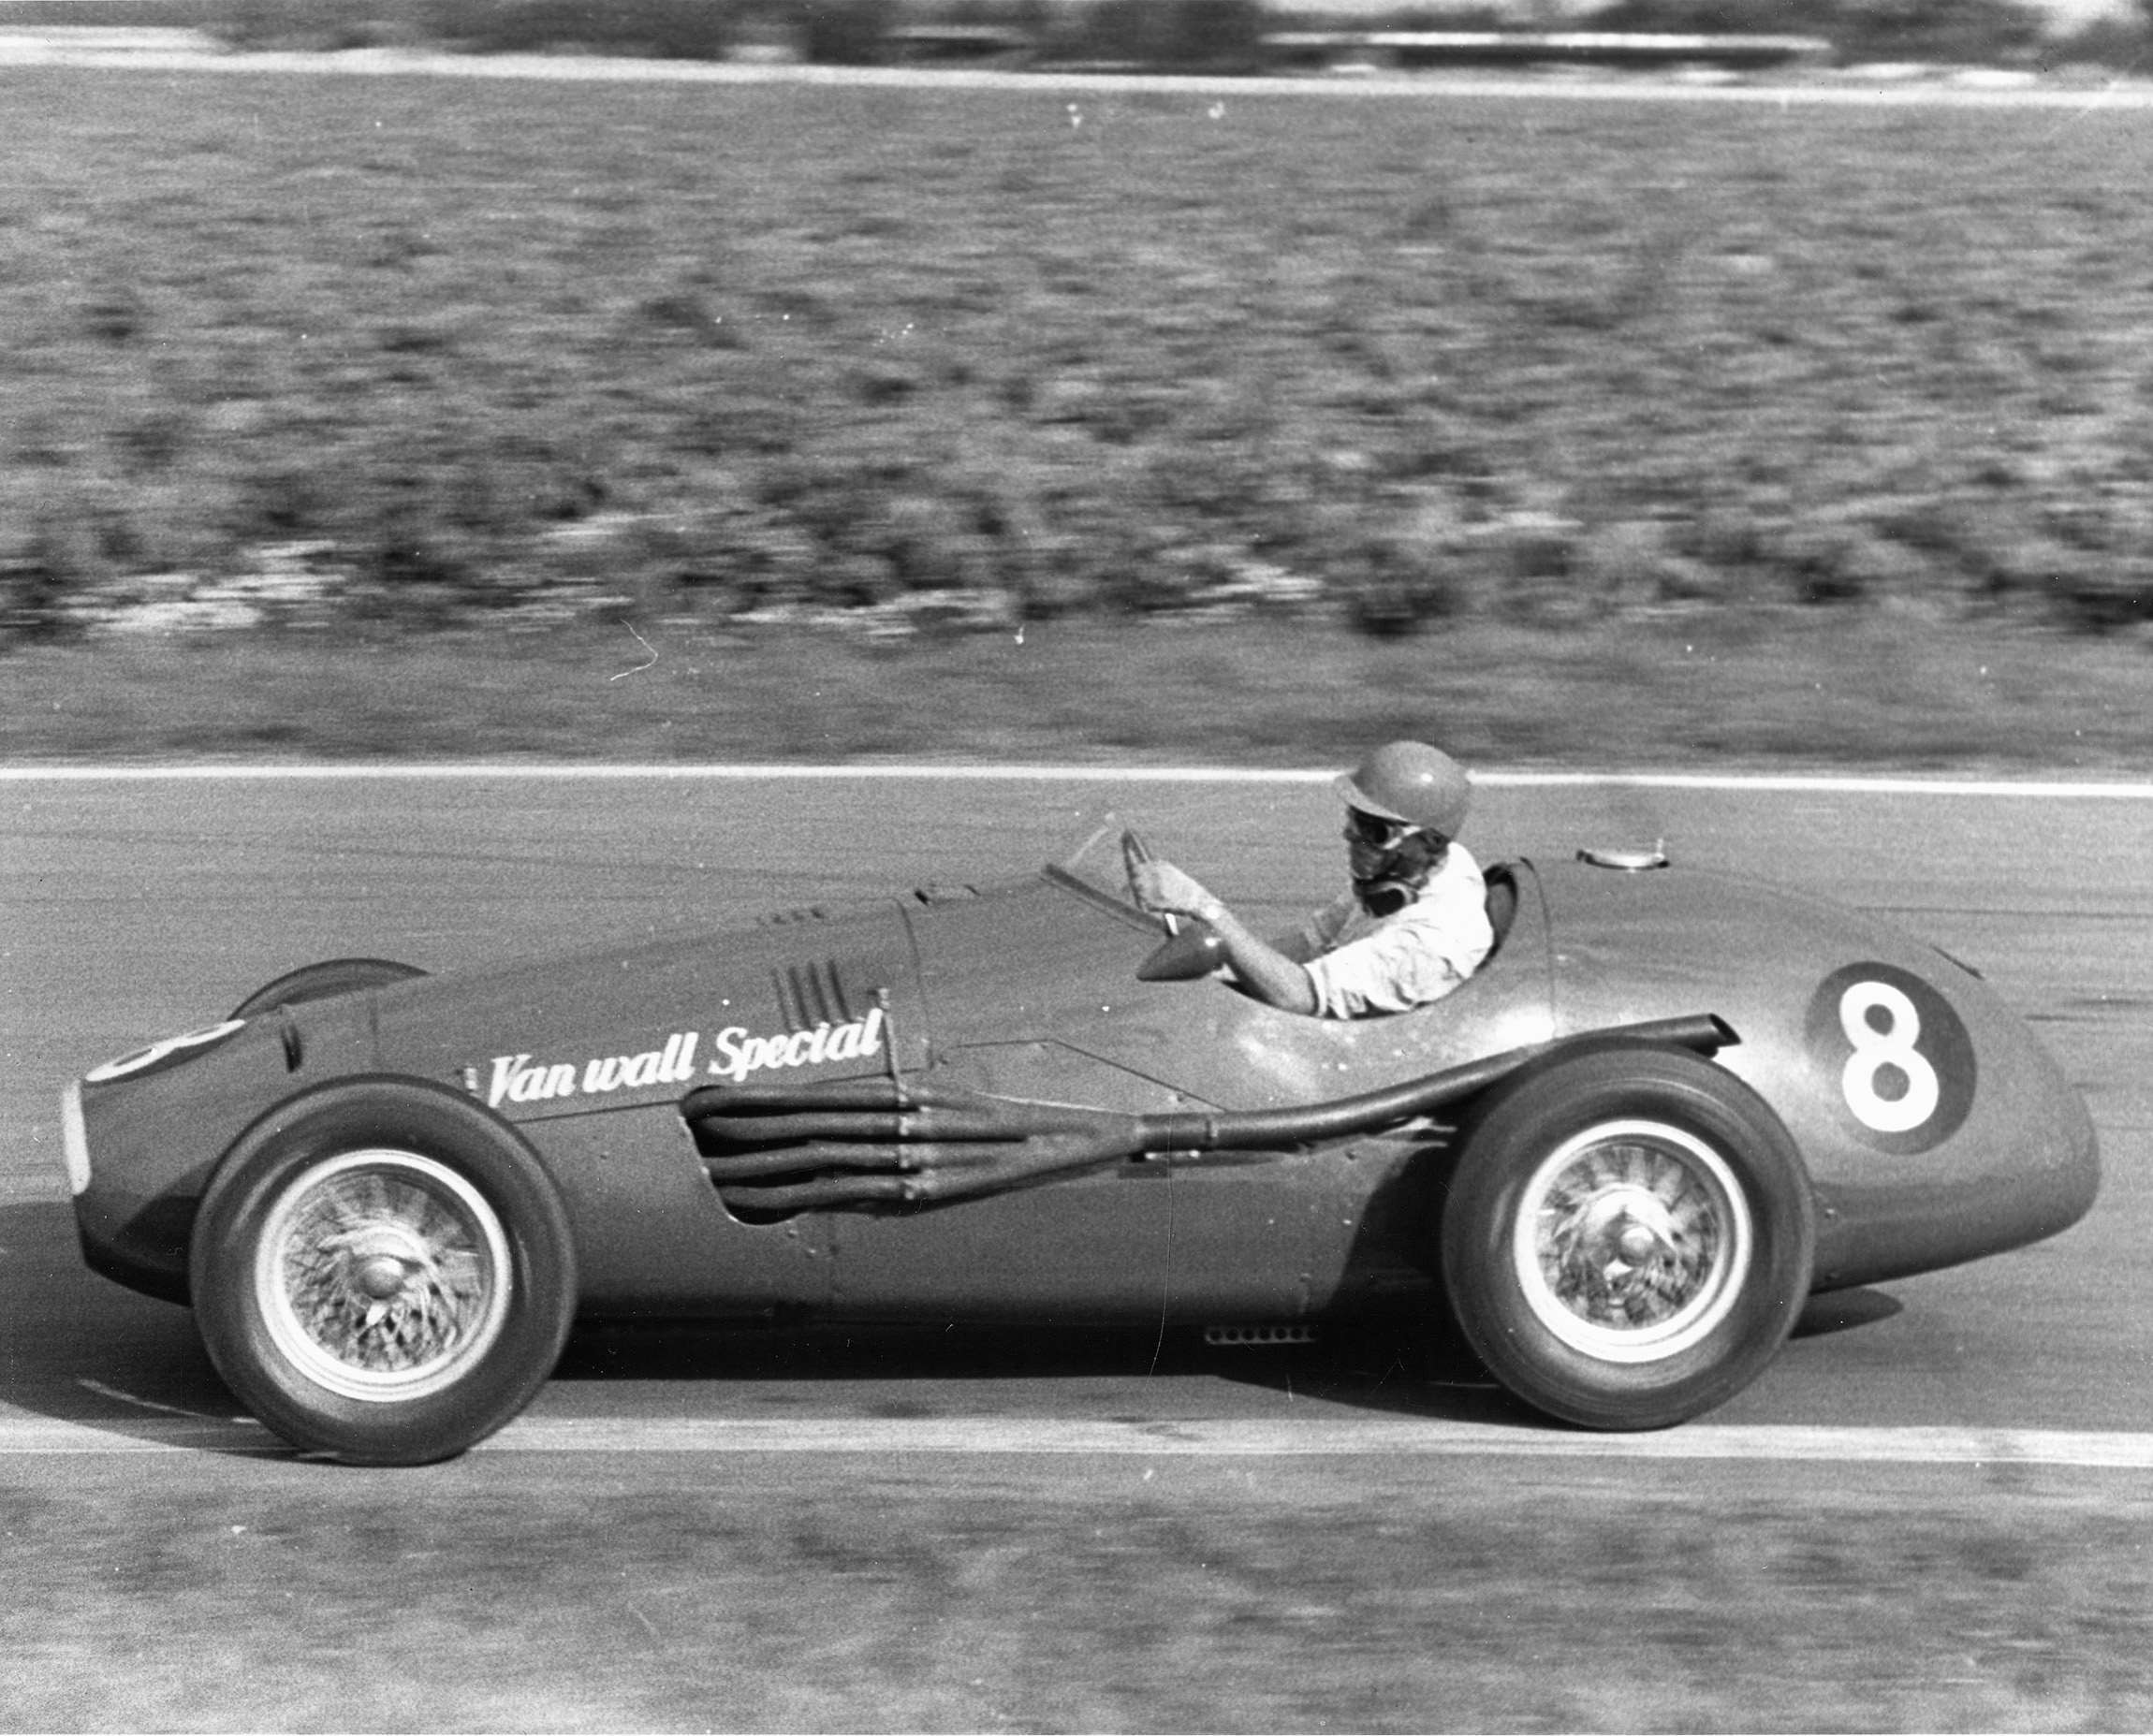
[[1628, 1236], [383, 1271]]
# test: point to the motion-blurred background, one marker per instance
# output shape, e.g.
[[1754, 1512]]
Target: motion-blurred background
[[1794, 400]]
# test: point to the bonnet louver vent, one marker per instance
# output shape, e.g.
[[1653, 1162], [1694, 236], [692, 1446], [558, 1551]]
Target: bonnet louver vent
[[806, 912], [812, 995]]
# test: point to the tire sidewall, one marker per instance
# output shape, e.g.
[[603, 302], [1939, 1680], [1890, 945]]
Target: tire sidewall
[[1504, 1143], [281, 1151]]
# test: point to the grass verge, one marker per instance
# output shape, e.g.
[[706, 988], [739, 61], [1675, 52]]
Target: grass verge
[[1165, 1595], [358, 347]]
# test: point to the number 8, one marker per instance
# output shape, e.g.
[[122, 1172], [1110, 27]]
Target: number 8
[[1875, 1050]]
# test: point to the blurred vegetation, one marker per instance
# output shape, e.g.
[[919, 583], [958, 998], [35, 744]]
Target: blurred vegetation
[[1216, 36], [1211, 35], [1945, 30], [287, 350], [1981, 32]]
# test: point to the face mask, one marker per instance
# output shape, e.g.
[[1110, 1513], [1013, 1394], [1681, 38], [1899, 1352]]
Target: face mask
[[1399, 875], [1384, 898]]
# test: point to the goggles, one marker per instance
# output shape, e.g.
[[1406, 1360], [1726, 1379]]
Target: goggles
[[1377, 833]]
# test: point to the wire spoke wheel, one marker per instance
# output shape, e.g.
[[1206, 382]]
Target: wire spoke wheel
[[383, 1275], [1631, 1241], [1627, 1236], [382, 1271]]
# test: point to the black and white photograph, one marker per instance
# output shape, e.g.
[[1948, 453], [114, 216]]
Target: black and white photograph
[[1254, 865]]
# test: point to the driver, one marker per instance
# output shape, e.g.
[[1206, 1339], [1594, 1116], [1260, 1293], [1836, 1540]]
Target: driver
[[1413, 926]]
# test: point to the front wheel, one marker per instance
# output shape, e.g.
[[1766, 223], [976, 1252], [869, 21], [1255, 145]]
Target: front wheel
[[1628, 1236], [383, 1271]]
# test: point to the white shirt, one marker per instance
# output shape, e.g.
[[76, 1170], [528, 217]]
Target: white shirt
[[1362, 964]]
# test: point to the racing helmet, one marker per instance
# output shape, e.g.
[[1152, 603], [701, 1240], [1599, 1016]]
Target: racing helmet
[[1410, 783]]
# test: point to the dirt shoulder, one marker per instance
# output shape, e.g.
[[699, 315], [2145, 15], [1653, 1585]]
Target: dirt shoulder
[[1861, 691]]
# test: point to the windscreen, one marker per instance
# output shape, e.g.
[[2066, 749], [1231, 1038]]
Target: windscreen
[[1097, 864]]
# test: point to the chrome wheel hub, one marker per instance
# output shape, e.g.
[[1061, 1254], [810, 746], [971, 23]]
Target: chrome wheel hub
[[1633, 1240], [382, 1274]]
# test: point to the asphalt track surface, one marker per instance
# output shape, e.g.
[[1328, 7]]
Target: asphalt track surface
[[136, 905]]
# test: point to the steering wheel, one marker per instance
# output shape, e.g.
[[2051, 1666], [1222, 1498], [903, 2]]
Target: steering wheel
[[1184, 954], [1135, 851]]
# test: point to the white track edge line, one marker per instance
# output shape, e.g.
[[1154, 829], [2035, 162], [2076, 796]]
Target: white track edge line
[[985, 1437], [1614, 86], [1770, 782]]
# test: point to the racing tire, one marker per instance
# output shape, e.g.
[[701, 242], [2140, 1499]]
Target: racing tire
[[333, 976], [1628, 1236], [383, 1271]]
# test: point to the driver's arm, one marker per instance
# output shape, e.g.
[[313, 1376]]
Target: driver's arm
[[1264, 971]]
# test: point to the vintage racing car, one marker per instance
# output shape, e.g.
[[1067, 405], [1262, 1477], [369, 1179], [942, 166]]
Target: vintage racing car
[[1669, 1107]]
